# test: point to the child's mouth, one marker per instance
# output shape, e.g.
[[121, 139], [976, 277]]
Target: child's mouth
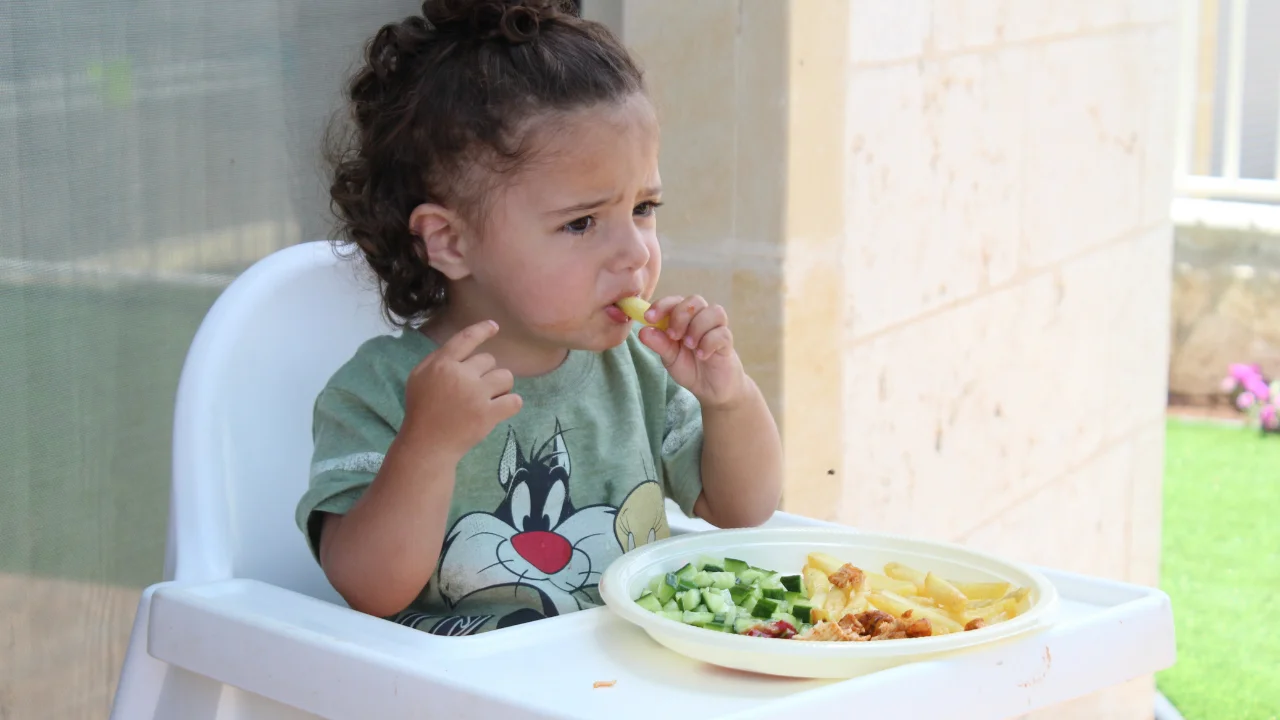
[[615, 314]]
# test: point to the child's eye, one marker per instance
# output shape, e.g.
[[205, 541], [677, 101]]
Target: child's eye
[[580, 226], [647, 208]]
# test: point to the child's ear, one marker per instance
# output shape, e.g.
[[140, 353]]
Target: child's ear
[[441, 241]]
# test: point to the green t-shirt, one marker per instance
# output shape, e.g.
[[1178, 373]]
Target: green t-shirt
[[544, 503]]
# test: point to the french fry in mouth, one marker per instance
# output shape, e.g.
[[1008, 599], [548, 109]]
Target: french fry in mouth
[[635, 308]]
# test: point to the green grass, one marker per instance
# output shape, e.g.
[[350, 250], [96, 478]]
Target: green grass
[[1221, 567]]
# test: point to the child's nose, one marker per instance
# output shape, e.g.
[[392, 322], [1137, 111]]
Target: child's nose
[[634, 253]]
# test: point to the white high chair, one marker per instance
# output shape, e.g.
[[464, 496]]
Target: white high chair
[[246, 626]]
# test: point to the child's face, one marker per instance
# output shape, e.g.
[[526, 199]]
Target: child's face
[[575, 231]]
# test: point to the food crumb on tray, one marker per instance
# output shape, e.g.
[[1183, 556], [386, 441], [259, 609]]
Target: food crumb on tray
[[604, 683]]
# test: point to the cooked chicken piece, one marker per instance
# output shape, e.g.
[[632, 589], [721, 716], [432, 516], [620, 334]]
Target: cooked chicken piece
[[975, 623], [848, 576]]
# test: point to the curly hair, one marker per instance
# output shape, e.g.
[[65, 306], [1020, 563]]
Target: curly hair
[[442, 96]]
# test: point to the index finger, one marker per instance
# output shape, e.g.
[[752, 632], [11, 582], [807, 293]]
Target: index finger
[[468, 340], [662, 308]]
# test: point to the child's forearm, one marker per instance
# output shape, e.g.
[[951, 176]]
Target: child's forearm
[[381, 554], [741, 463]]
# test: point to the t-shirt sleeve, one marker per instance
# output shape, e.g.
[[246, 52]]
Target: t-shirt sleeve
[[351, 440], [682, 447]]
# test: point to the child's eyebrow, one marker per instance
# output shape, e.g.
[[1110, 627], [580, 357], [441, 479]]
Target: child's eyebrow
[[590, 205]]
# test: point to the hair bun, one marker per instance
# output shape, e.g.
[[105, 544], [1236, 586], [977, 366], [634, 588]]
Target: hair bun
[[515, 21]]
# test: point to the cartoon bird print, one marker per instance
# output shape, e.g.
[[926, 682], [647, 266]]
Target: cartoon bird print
[[536, 539], [642, 517]]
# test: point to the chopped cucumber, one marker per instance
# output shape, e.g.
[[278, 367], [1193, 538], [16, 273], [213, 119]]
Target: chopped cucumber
[[770, 580], [702, 579], [735, 566], [744, 624], [740, 593], [751, 575], [687, 572], [714, 599], [723, 580], [795, 597], [712, 568], [695, 618], [649, 602], [690, 599], [794, 583], [652, 587], [750, 603], [785, 617], [673, 615], [671, 606], [764, 608], [803, 612], [664, 592], [775, 593], [686, 586], [718, 627]]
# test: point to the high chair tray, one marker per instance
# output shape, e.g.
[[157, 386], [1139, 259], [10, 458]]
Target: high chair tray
[[332, 662]]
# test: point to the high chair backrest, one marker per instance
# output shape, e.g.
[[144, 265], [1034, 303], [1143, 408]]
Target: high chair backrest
[[242, 423]]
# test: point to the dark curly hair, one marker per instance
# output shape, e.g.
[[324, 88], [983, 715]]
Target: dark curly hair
[[442, 94]]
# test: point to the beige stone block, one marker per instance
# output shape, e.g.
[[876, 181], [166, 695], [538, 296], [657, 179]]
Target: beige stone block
[[887, 31], [935, 172], [757, 324], [1087, 117], [760, 171], [1146, 507], [960, 25], [1129, 701], [813, 417], [710, 281], [1078, 523], [955, 416], [1158, 141], [696, 108]]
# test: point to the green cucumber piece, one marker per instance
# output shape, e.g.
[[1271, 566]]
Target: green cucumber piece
[[771, 580], [673, 615], [690, 599], [664, 592], [794, 583], [686, 586], [702, 579], [744, 624], [739, 593], [687, 572], [671, 606], [735, 566], [717, 627], [785, 617], [723, 580], [749, 604], [712, 568], [803, 612], [764, 608], [774, 593], [694, 618], [750, 576], [653, 584], [714, 599], [649, 602], [795, 597]]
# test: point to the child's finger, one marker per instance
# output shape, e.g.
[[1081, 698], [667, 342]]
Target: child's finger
[[657, 341], [683, 314], [717, 340], [660, 308], [708, 318], [467, 340]]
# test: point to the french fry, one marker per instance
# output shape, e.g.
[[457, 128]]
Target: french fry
[[818, 600], [836, 602], [635, 308], [944, 592], [897, 606], [898, 571], [876, 581], [983, 590], [857, 604], [815, 581], [824, 562]]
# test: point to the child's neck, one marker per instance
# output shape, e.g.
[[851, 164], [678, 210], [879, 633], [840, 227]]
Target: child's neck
[[524, 357]]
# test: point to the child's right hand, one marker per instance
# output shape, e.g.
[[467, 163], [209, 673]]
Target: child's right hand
[[454, 398]]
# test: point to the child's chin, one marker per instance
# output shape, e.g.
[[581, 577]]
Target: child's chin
[[611, 338]]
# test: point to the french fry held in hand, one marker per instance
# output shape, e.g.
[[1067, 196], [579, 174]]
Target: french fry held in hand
[[838, 591], [635, 308]]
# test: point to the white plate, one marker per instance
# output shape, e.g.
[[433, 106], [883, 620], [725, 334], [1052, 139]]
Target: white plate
[[784, 550]]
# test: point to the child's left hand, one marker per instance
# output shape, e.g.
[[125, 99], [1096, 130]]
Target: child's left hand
[[697, 349]]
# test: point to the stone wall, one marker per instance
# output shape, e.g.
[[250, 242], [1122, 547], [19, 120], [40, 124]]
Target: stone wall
[[942, 230], [1226, 296]]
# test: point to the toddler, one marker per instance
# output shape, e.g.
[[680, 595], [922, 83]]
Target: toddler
[[484, 465]]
